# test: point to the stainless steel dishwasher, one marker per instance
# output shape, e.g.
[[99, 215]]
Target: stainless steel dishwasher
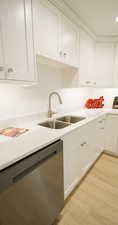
[[31, 190]]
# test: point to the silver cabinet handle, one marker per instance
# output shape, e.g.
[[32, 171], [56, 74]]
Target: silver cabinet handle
[[88, 82], [10, 70], [84, 143], [62, 54], [100, 121], [65, 54], [1, 68]]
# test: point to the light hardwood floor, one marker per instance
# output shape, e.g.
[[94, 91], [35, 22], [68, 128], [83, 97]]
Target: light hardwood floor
[[95, 201]]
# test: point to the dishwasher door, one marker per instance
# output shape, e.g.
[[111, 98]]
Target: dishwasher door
[[32, 189]]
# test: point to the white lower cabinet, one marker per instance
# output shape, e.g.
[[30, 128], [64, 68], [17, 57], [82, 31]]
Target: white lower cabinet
[[81, 148], [74, 159], [111, 133], [98, 133], [72, 155]]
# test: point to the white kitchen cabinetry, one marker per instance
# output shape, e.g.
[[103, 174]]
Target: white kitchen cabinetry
[[2, 68], [81, 148], [111, 133], [115, 77], [104, 65], [74, 159], [47, 29], [17, 39], [87, 60], [70, 42], [98, 134], [55, 37]]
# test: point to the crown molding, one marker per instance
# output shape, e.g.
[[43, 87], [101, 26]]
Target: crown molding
[[67, 11]]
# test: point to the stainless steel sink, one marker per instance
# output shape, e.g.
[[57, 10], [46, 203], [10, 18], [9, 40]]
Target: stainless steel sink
[[71, 119], [54, 124], [61, 122]]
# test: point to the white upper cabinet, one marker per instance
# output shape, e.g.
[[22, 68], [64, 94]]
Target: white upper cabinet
[[115, 76], [87, 60], [70, 42], [104, 64], [16, 22], [47, 29], [55, 37], [2, 68]]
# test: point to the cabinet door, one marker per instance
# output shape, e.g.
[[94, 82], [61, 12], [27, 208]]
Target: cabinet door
[[100, 129], [47, 29], [97, 137], [87, 57], [17, 39], [2, 66], [70, 42], [104, 64], [111, 133], [91, 62], [115, 80], [73, 159], [79, 154], [83, 59]]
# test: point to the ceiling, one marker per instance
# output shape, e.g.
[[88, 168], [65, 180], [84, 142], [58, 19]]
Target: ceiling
[[98, 15]]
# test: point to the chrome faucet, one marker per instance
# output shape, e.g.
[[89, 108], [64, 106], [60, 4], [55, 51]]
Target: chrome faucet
[[50, 112]]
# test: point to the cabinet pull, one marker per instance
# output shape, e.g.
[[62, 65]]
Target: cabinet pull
[[88, 82], [100, 121], [65, 54], [1, 68], [10, 70], [84, 143]]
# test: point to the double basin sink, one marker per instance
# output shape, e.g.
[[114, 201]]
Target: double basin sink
[[62, 122]]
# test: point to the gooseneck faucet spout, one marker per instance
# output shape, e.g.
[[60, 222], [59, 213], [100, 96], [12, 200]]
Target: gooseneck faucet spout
[[50, 112]]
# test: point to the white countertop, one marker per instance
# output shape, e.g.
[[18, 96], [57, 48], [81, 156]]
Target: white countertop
[[15, 149]]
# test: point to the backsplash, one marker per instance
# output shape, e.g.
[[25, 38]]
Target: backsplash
[[76, 98], [19, 101]]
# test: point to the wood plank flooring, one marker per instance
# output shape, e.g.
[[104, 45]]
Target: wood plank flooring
[[95, 201]]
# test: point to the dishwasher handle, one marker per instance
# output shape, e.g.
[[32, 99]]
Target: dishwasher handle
[[32, 168]]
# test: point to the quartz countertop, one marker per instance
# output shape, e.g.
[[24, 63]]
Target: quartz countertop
[[38, 137]]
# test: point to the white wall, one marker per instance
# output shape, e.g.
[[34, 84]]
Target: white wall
[[76, 98], [19, 101]]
